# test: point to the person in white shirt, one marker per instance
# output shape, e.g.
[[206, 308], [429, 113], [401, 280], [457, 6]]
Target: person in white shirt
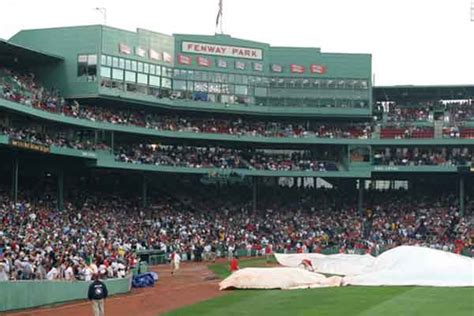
[[52, 274], [3, 272], [175, 260], [69, 273]]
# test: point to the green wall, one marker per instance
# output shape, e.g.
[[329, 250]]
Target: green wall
[[26, 294], [67, 42]]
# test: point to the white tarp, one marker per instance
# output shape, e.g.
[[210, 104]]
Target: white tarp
[[277, 278], [404, 265], [341, 264], [408, 265]]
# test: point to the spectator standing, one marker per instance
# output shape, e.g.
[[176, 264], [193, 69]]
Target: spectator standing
[[97, 294]]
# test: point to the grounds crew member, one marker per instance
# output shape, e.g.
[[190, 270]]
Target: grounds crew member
[[97, 293]]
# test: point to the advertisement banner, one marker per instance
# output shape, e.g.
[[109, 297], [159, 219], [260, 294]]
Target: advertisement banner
[[221, 50], [154, 54], [124, 49], [258, 66], [276, 68], [221, 63], [30, 146], [294, 68], [167, 57], [140, 52], [184, 60], [240, 65], [317, 69], [202, 61]]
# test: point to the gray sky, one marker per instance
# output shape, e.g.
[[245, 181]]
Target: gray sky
[[411, 41]]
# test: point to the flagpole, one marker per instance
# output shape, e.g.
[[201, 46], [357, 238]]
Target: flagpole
[[222, 16]]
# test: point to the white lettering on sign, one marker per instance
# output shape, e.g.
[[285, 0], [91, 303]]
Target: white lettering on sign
[[221, 50]]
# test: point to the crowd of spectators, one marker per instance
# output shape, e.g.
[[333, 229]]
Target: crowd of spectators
[[418, 156], [48, 138], [461, 111], [224, 158], [101, 233]]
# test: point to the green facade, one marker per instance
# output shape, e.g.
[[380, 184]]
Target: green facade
[[143, 63]]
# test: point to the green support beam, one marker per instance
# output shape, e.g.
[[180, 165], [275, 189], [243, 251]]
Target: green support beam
[[461, 195], [60, 178], [15, 180], [144, 191], [360, 200]]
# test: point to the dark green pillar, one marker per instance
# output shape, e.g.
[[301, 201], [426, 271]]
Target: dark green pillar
[[60, 178], [15, 180], [360, 200], [144, 191], [254, 194], [112, 141], [461, 195]]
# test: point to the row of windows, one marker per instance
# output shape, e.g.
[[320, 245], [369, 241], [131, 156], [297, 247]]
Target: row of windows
[[278, 82], [218, 77], [194, 86], [133, 65], [133, 77]]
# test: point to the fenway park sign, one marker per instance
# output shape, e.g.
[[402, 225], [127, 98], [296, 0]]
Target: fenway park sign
[[221, 50]]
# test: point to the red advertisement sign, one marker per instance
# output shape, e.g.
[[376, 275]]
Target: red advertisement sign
[[202, 61], [297, 68], [124, 49], [184, 60], [317, 69], [154, 54]]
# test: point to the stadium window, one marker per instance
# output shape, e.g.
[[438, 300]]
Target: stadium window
[[130, 76], [115, 62], [154, 81], [142, 78], [140, 67], [108, 61], [241, 90], [167, 72], [179, 85], [176, 73], [103, 60], [128, 64], [200, 86], [121, 63], [231, 78], [117, 74], [166, 83], [158, 71], [189, 86], [146, 68], [105, 72], [204, 76], [225, 78], [82, 65], [152, 69], [134, 65], [214, 87], [87, 66], [260, 92], [197, 75], [190, 75], [245, 79]]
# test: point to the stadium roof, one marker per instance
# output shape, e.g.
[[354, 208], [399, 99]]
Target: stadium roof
[[17, 55], [423, 93]]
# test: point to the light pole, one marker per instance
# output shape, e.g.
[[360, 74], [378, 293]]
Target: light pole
[[103, 11]]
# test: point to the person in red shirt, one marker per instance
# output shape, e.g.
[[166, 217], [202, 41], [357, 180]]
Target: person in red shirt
[[268, 252], [234, 264]]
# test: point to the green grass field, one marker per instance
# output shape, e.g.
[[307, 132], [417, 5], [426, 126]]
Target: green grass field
[[385, 301]]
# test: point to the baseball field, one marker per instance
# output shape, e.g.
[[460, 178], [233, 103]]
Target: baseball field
[[384, 301]]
